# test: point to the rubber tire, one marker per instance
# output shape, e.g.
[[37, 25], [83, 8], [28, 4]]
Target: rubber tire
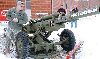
[[24, 40], [68, 46]]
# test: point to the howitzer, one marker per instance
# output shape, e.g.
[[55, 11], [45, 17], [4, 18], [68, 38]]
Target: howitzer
[[48, 23], [37, 33]]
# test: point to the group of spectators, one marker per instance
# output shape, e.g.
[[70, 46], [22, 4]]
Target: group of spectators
[[63, 10]]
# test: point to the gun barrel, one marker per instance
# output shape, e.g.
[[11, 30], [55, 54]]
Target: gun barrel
[[50, 16], [55, 15]]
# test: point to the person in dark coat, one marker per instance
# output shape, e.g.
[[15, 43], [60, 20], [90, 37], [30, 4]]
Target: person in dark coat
[[61, 12], [75, 10]]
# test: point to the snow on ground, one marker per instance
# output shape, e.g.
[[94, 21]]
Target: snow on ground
[[3, 41], [2, 56], [87, 30]]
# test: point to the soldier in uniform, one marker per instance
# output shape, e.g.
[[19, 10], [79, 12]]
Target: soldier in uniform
[[16, 17]]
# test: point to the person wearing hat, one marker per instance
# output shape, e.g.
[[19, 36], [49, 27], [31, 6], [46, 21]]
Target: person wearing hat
[[16, 17]]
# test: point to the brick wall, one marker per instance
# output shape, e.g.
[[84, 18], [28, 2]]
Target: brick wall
[[88, 4], [45, 6], [6, 4], [40, 6]]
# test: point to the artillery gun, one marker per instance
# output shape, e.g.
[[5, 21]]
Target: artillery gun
[[36, 33]]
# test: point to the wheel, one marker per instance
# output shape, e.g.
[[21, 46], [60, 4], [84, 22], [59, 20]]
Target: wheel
[[69, 44], [19, 47], [22, 45]]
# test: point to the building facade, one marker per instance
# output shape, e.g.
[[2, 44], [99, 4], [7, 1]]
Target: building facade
[[49, 6]]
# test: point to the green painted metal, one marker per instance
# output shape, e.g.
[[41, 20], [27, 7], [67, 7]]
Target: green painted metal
[[40, 46]]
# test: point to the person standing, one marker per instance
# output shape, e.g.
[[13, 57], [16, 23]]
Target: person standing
[[74, 21], [61, 12], [16, 17]]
